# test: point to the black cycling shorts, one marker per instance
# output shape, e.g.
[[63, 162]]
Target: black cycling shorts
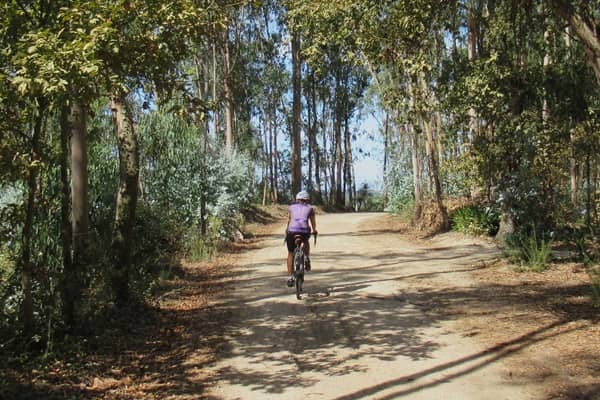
[[289, 240]]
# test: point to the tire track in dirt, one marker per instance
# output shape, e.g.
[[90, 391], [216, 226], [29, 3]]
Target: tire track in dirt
[[367, 327]]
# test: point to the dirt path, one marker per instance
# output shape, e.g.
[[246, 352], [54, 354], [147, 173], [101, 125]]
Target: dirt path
[[369, 326]]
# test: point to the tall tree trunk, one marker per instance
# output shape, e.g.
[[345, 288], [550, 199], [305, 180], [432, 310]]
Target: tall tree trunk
[[573, 173], [271, 160], [275, 155], [348, 182], [123, 239], [27, 233], [338, 155], [586, 30], [310, 111], [67, 285], [338, 166], [472, 36], [434, 174], [203, 126], [227, 84], [507, 219], [319, 153], [430, 147], [386, 150], [79, 192], [573, 164], [215, 112], [417, 174], [296, 111]]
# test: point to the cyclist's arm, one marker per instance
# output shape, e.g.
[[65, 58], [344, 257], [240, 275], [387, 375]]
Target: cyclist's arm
[[288, 222], [313, 222]]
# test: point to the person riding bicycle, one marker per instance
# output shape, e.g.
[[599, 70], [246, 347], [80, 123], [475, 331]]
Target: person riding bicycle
[[299, 215]]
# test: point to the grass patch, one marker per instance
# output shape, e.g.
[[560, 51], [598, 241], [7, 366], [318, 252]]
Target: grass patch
[[475, 220], [529, 251]]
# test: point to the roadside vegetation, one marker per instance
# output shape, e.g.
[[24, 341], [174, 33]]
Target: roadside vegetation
[[135, 135]]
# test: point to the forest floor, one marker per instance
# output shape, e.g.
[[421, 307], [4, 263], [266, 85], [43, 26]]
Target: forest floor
[[386, 315]]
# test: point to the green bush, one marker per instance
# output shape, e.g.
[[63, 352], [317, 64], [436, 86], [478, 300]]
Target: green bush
[[8, 310], [594, 273], [158, 245], [199, 248], [475, 220], [531, 252], [588, 250]]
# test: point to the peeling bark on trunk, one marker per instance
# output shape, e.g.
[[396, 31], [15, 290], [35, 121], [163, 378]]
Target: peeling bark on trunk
[[434, 175], [296, 111], [348, 181], [228, 95], [26, 242], [122, 240], [385, 159], [67, 285], [417, 175], [79, 187], [430, 149], [585, 31]]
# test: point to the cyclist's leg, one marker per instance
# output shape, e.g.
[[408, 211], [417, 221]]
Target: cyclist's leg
[[290, 258], [307, 252]]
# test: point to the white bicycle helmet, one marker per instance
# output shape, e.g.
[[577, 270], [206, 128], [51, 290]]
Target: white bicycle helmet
[[303, 195]]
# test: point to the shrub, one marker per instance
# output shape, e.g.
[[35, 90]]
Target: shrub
[[475, 220], [589, 253], [158, 244], [531, 252], [594, 273]]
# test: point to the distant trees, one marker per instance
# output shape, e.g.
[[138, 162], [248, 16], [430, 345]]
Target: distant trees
[[144, 127], [475, 100], [63, 62]]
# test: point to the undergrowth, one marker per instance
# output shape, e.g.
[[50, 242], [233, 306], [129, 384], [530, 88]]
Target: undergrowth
[[475, 220], [589, 252], [528, 250]]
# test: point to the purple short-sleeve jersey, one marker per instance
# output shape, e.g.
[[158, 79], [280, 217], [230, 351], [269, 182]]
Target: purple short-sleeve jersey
[[299, 215]]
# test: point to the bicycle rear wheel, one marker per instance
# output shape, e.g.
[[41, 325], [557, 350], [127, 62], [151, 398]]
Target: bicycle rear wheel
[[299, 284], [299, 270]]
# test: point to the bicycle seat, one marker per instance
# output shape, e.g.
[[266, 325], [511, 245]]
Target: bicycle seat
[[298, 238]]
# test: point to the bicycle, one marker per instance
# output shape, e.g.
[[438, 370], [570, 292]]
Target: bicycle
[[299, 263]]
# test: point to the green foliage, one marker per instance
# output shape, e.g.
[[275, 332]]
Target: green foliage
[[594, 273], [199, 247], [532, 252], [8, 311], [159, 245], [399, 182], [459, 175], [589, 252], [367, 200], [196, 184], [475, 220]]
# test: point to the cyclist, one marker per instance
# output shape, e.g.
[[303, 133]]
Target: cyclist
[[299, 216]]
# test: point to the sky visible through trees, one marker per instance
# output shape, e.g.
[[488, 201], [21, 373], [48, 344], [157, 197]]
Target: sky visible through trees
[[134, 132]]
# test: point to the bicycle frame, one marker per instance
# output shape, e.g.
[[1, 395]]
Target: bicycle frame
[[298, 264]]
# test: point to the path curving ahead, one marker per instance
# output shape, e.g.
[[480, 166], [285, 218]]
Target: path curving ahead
[[370, 326]]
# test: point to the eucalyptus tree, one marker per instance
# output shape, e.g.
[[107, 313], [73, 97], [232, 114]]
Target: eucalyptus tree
[[142, 43], [296, 112], [71, 52], [47, 66], [399, 36], [583, 17], [328, 48]]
